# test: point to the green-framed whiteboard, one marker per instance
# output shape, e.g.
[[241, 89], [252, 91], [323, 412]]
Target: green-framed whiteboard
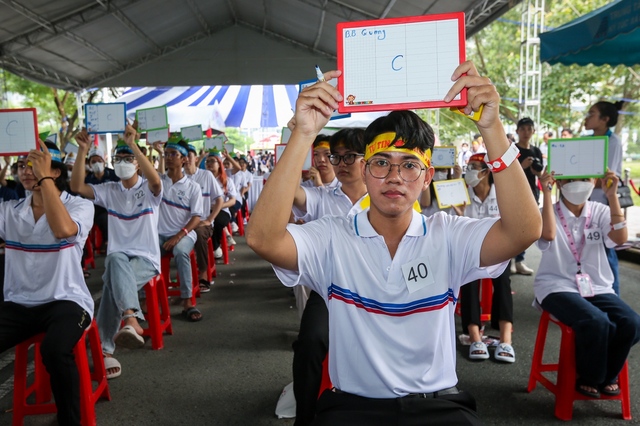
[[578, 158]]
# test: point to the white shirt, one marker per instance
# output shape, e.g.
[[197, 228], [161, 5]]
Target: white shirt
[[310, 184], [180, 202], [210, 189], [558, 267], [322, 201], [481, 209], [386, 342], [39, 267], [614, 158], [231, 192], [133, 218]]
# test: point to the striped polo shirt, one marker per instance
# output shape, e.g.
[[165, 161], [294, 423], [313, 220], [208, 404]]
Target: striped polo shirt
[[180, 202]]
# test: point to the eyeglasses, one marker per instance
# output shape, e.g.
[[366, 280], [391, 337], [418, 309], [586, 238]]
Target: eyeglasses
[[173, 154], [409, 170], [348, 159], [128, 159]]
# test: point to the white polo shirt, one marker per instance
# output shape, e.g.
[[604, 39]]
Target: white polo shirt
[[322, 201], [310, 184], [39, 267], [387, 342], [558, 267], [210, 189], [231, 192], [479, 209], [133, 218], [180, 202]]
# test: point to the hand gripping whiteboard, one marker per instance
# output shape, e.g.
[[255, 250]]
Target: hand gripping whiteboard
[[578, 158], [400, 63], [18, 131], [105, 118]]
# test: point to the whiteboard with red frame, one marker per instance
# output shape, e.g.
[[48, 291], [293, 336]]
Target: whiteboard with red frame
[[400, 63], [18, 131]]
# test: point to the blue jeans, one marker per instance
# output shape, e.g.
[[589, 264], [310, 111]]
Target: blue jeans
[[612, 257], [181, 253], [605, 329], [123, 277], [520, 257]]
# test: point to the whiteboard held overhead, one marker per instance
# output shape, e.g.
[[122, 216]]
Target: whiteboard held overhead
[[152, 118], [216, 142], [578, 158], [105, 118], [451, 193], [443, 157], [159, 135], [18, 131], [279, 149], [192, 133], [400, 63]]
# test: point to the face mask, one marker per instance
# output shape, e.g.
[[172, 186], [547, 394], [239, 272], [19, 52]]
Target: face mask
[[577, 193], [69, 173], [125, 170], [440, 175], [471, 177], [97, 167], [465, 148]]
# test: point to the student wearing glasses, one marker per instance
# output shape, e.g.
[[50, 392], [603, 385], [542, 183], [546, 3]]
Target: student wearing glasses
[[388, 274], [133, 205]]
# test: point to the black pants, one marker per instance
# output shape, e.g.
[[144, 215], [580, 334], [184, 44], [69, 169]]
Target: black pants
[[344, 409], [63, 323], [308, 353], [221, 221], [501, 303]]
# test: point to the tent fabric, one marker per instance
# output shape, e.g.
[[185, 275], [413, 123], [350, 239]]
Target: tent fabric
[[609, 35], [217, 106]]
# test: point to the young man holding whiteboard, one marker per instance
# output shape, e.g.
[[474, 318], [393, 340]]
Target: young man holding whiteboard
[[388, 274]]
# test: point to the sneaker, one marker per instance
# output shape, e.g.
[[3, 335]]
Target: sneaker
[[231, 241], [218, 253], [513, 268], [234, 227], [523, 269]]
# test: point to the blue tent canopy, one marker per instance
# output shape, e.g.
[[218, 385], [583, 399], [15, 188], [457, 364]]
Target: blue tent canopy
[[609, 35]]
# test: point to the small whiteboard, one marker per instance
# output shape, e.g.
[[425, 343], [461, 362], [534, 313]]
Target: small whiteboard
[[334, 82], [70, 148], [216, 142], [578, 158], [400, 63], [229, 147], [105, 118], [159, 135], [18, 131], [452, 192], [444, 157], [152, 118], [279, 149], [286, 135], [192, 133]]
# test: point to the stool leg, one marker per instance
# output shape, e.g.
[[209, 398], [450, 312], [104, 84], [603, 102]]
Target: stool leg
[[87, 408], [99, 373], [566, 382], [165, 315], [155, 326], [538, 351], [625, 395], [19, 384]]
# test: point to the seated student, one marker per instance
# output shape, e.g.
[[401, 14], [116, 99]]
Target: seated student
[[574, 282], [133, 251], [321, 173], [484, 204], [428, 201], [211, 205], [44, 290], [389, 274], [232, 169], [214, 165], [180, 212]]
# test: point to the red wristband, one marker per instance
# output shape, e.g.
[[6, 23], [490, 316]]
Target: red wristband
[[185, 231], [503, 162]]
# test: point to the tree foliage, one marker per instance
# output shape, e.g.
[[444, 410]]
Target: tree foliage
[[240, 141]]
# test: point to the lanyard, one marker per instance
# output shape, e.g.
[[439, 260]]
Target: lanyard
[[567, 231]]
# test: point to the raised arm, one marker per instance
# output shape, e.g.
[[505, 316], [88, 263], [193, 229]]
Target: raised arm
[[520, 223], [77, 177], [610, 188], [148, 171], [548, 215], [267, 232]]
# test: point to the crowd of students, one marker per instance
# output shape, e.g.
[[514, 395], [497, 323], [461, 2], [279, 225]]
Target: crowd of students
[[377, 277]]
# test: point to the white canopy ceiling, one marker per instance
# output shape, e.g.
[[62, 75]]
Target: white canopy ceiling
[[79, 44]]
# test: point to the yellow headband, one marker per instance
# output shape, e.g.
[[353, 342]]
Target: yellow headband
[[383, 142], [322, 145]]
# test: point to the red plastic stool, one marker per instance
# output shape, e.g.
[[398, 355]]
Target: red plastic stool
[[224, 245], [96, 238], [89, 259], [158, 315], [212, 271], [564, 388], [240, 220], [232, 248], [41, 385], [173, 289], [486, 296]]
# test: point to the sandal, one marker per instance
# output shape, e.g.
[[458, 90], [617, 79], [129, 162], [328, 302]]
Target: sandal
[[587, 390], [608, 389], [478, 351], [205, 287], [192, 314], [110, 363], [505, 353]]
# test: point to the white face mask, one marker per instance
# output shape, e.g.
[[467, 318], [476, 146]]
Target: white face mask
[[577, 193], [440, 175], [125, 170], [97, 167], [471, 177]]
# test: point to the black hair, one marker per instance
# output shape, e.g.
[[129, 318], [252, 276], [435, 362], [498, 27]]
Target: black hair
[[351, 139], [414, 131], [550, 134], [183, 144], [609, 110], [526, 121], [320, 138], [60, 181], [568, 130]]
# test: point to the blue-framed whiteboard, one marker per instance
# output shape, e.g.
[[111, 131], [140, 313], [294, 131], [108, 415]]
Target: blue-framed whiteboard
[[105, 118]]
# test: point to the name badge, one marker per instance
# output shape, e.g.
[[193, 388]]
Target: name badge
[[417, 274], [493, 210], [592, 236], [585, 287]]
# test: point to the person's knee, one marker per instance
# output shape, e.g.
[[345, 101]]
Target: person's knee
[[53, 354], [630, 328], [115, 258]]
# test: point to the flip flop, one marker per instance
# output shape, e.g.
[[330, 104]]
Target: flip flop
[[111, 363], [478, 351], [505, 353], [128, 338], [190, 314], [587, 392], [204, 286], [605, 391]]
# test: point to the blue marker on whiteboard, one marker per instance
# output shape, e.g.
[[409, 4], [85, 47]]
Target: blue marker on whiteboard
[[319, 74]]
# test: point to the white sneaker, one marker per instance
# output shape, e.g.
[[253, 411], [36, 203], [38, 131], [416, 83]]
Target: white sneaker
[[218, 253], [513, 267], [523, 269], [231, 241], [234, 227]]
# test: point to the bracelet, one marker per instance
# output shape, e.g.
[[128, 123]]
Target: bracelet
[[619, 226], [44, 178], [185, 231], [499, 164]]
